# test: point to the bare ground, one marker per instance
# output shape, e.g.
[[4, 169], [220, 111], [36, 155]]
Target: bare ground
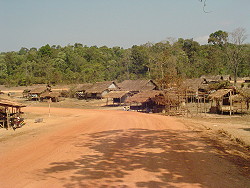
[[97, 148]]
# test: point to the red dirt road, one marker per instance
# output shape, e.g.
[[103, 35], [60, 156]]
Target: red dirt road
[[94, 148]]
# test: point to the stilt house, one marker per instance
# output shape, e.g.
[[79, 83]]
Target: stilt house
[[10, 113]]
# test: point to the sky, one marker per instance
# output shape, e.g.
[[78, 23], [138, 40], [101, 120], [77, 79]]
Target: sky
[[124, 23]]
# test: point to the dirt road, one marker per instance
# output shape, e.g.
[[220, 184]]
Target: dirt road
[[94, 148]]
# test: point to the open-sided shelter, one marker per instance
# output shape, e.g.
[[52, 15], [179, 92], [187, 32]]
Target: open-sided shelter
[[118, 97]]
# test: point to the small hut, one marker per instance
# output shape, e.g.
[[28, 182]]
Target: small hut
[[118, 97], [81, 90], [227, 100], [100, 89], [35, 94], [10, 114], [53, 96]]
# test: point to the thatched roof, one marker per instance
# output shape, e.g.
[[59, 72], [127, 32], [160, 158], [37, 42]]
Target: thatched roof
[[245, 92], [168, 99], [38, 90], [237, 98], [8, 103], [137, 85], [210, 78], [99, 87], [116, 94], [193, 84], [219, 93], [143, 97], [50, 94], [84, 87]]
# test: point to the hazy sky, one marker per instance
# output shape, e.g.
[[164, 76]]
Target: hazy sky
[[34, 23]]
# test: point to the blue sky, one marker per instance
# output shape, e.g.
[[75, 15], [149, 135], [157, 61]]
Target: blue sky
[[34, 23]]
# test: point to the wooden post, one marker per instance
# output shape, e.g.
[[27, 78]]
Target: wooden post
[[49, 105], [241, 107], [8, 118], [198, 104], [204, 104], [230, 98]]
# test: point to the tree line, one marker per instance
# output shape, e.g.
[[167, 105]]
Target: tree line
[[163, 61]]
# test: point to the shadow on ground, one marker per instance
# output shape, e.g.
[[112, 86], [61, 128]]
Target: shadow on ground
[[146, 158], [246, 129]]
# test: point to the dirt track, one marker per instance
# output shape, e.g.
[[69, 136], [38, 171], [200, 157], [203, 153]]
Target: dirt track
[[94, 148]]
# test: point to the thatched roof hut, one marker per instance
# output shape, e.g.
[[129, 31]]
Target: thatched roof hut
[[7, 103], [37, 90], [83, 87], [117, 96], [212, 78], [219, 94], [99, 89], [54, 96], [137, 85], [192, 85], [35, 94], [143, 97]]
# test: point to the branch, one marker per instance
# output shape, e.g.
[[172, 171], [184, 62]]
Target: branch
[[204, 6]]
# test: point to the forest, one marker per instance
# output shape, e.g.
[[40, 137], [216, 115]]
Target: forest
[[166, 61]]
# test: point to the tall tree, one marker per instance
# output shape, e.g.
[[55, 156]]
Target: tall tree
[[218, 38], [235, 50]]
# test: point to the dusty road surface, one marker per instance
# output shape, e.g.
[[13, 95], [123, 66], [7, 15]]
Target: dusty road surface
[[94, 148]]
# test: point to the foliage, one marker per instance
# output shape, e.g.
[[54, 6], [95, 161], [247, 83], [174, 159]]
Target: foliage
[[166, 62]]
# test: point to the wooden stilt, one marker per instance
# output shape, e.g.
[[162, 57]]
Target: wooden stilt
[[230, 98]]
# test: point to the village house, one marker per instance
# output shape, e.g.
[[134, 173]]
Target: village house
[[81, 90], [35, 94], [49, 95], [215, 79], [118, 97], [100, 89], [136, 86], [143, 101], [227, 100]]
